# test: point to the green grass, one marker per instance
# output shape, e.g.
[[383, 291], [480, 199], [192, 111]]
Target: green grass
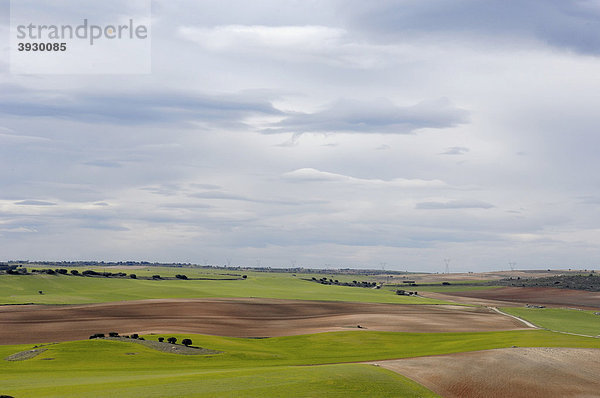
[[19, 289], [564, 320], [249, 367]]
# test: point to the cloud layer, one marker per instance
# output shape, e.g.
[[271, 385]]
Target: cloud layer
[[331, 133]]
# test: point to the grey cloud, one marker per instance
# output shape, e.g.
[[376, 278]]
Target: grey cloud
[[141, 108], [379, 116], [35, 203], [454, 204], [570, 24], [105, 227], [103, 163], [241, 198], [455, 150]]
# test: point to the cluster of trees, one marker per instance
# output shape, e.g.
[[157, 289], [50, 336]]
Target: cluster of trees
[[325, 281], [90, 273], [401, 292], [134, 336], [173, 340]]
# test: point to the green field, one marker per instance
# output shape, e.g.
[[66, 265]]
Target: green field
[[560, 319], [318, 365], [307, 365], [63, 289]]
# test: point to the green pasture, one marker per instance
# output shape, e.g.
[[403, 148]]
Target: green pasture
[[299, 366], [560, 319], [441, 288], [67, 289]]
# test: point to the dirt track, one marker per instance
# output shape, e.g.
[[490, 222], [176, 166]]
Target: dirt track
[[552, 297], [238, 318], [510, 372]]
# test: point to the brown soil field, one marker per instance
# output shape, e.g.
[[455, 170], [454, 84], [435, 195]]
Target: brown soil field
[[552, 297], [237, 318], [509, 372]]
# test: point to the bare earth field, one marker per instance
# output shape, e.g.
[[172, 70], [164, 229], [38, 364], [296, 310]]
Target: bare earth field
[[237, 318], [551, 297], [509, 372]]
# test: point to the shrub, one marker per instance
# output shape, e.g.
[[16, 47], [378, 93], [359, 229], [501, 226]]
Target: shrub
[[113, 334], [244, 276], [180, 276], [161, 339], [156, 277], [172, 340], [133, 276], [186, 342], [135, 336], [74, 272], [97, 336], [62, 271]]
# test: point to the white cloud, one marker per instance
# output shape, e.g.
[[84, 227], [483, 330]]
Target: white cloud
[[314, 175]]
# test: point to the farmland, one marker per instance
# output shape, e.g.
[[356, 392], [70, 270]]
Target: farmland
[[273, 334]]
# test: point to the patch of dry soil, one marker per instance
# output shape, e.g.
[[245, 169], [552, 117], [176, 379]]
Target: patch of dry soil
[[242, 317], [534, 295], [509, 372]]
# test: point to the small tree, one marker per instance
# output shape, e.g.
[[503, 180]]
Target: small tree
[[186, 342], [172, 340]]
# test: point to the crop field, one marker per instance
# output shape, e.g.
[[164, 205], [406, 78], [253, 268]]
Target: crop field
[[561, 319], [305, 365], [63, 289]]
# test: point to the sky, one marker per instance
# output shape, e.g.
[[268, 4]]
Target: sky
[[323, 133]]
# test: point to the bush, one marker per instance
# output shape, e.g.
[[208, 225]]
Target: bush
[[161, 339], [172, 340], [186, 342], [97, 336], [180, 276], [133, 276], [62, 271], [113, 334], [156, 277], [244, 276], [135, 336], [74, 272]]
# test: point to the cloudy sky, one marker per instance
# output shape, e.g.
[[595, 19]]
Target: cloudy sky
[[339, 133]]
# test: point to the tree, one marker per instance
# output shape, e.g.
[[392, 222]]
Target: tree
[[186, 342], [172, 340]]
